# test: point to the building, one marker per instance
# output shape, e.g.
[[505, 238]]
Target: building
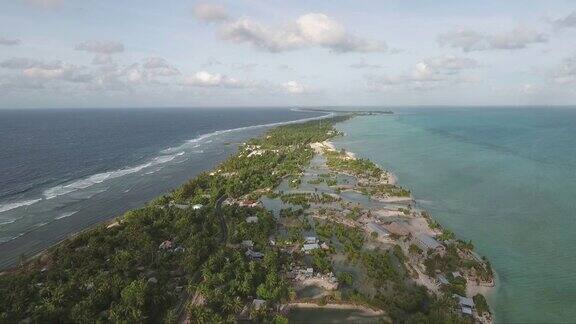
[[166, 245], [258, 303], [251, 219], [466, 304], [442, 280], [179, 206], [373, 227], [310, 246], [247, 243], [197, 206], [310, 239], [396, 229], [427, 242], [254, 255]]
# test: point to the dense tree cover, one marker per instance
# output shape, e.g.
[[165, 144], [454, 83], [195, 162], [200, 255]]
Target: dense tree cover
[[384, 190], [361, 167], [105, 274], [119, 273]]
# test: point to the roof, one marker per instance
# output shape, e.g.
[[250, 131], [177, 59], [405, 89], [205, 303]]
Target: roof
[[396, 228], [466, 310], [310, 246], [197, 206], [428, 241], [254, 254], [247, 243], [443, 280], [311, 239], [251, 219], [465, 301], [378, 229], [258, 303]]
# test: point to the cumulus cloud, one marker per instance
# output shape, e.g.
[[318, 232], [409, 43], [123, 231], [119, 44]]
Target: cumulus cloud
[[568, 21], [309, 30], [30, 73], [9, 41], [19, 63], [364, 65], [565, 73], [430, 73], [207, 79], [160, 67], [106, 47], [294, 87], [470, 40], [210, 12]]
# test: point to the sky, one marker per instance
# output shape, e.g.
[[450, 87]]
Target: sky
[[140, 53]]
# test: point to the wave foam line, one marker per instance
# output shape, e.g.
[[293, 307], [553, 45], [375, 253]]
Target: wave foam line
[[68, 214], [101, 177], [18, 204], [202, 137]]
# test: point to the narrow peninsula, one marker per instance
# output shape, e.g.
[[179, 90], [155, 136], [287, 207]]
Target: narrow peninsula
[[289, 229]]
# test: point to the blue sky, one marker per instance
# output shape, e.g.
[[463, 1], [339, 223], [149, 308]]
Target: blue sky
[[64, 53]]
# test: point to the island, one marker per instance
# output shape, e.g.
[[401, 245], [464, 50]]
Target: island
[[288, 229]]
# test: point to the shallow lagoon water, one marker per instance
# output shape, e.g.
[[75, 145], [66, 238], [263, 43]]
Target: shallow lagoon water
[[503, 178]]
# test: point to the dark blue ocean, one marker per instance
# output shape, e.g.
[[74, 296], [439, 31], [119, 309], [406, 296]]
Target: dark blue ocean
[[63, 170], [504, 178]]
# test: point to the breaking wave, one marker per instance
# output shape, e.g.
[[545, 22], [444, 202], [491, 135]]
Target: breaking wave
[[101, 177], [14, 205]]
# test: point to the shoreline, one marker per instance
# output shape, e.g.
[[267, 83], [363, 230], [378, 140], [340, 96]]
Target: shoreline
[[11, 264], [168, 229], [472, 288]]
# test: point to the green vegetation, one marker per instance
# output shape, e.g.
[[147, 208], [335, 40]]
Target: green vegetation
[[339, 161], [481, 304], [159, 260], [119, 274]]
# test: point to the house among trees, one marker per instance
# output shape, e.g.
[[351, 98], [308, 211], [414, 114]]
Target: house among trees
[[427, 242], [251, 219], [466, 304], [247, 243], [197, 206], [254, 255], [381, 231], [166, 245], [309, 247], [310, 239]]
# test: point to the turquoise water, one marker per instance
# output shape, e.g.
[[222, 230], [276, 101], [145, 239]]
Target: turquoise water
[[504, 178]]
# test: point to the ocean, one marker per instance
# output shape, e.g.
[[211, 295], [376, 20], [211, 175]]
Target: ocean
[[64, 170], [504, 178]]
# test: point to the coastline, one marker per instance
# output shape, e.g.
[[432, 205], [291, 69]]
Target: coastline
[[472, 287], [18, 241], [206, 191]]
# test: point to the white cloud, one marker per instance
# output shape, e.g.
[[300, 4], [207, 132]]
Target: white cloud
[[310, 30], [19, 63], [9, 41], [451, 62], [160, 67], [565, 73], [105, 47], [294, 87], [210, 12], [568, 21], [430, 73], [207, 79], [517, 38], [470, 40], [364, 65]]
